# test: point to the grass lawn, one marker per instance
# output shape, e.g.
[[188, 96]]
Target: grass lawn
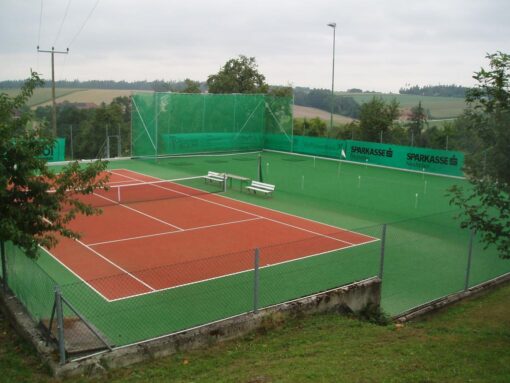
[[469, 342]]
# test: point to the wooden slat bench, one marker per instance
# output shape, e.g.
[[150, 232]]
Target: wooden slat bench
[[214, 176], [262, 187]]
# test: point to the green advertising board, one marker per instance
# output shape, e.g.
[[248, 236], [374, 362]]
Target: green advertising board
[[57, 152], [406, 157], [397, 156]]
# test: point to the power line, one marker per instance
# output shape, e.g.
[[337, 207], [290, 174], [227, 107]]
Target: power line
[[40, 24], [39, 33], [62, 23], [84, 23]]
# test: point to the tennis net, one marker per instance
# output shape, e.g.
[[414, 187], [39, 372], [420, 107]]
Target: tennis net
[[151, 191]]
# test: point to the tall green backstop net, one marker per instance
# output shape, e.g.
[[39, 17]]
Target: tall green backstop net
[[176, 123]]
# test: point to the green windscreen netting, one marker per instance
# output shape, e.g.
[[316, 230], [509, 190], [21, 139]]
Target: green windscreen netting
[[176, 123]]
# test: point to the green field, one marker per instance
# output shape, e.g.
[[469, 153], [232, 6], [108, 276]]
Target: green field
[[440, 107]]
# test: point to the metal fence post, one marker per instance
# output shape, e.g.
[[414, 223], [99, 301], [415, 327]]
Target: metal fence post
[[383, 248], [60, 325], [256, 281], [4, 266], [470, 255]]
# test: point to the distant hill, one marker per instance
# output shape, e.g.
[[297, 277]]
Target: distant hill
[[439, 107], [436, 90]]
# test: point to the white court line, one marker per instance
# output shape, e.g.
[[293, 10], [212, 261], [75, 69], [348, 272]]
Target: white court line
[[172, 232], [115, 265], [350, 245], [264, 207], [239, 272], [74, 273], [253, 214], [139, 212]]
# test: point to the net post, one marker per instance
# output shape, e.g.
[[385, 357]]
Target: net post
[[4, 266], [470, 256], [225, 182], [256, 281], [60, 324], [383, 248]]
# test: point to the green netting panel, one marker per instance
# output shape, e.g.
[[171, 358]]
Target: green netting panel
[[170, 124], [279, 123], [486, 263], [143, 124], [29, 283], [425, 259]]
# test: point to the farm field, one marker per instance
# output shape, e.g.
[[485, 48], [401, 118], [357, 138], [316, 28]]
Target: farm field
[[43, 95], [97, 96], [440, 107], [307, 112]]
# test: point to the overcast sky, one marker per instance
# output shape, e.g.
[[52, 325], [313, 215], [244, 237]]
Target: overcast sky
[[380, 45]]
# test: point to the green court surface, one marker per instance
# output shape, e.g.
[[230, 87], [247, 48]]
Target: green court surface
[[425, 250]]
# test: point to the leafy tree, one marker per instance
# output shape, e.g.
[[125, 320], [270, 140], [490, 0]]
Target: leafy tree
[[314, 127], [281, 91], [161, 86], [191, 86], [377, 116], [32, 196], [486, 205], [238, 76], [417, 122]]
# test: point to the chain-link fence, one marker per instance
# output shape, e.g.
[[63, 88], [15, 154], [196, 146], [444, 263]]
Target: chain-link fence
[[424, 259]]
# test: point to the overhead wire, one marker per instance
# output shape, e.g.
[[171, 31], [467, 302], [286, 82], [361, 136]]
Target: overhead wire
[[39, 35], [62, 23], [84, 23]]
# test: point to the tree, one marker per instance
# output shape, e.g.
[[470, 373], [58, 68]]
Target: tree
[[417, 122], [238, 76], [486, 205], [36, 204], [191, 86], [376, 118]]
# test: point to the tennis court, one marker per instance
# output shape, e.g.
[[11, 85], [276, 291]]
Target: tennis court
[[148, 226]]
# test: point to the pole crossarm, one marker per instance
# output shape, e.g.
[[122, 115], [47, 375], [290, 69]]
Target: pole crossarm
[[53, 98]]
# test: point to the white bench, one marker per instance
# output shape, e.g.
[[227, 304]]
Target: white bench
[[214, 176], [261, 187]]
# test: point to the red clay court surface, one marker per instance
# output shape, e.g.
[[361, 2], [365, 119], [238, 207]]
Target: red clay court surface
[[144, 247]]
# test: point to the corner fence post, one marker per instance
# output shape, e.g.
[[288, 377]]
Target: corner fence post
[[470, 256], [256, 281], [4, 266], [60, 325], [383, 248]]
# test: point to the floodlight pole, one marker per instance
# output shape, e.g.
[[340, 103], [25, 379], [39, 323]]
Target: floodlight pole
[[332, 25], [54, 109]]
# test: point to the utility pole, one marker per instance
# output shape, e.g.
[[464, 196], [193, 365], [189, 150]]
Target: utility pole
[[332, 25], [54, 110]]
